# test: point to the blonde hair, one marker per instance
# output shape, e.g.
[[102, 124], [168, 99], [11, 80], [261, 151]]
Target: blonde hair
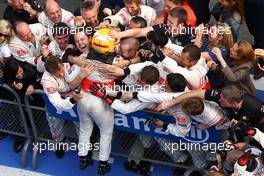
[[245, 52], [6, 27], [227, 40]]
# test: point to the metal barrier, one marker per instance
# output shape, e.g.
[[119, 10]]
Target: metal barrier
[[125, 144], [12, 118]]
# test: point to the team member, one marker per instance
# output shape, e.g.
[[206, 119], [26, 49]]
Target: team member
[[61, 42], [176, 29], [251, 162], [59, 80], [242, 105], [132, 8], [53, 14], [25, 46]]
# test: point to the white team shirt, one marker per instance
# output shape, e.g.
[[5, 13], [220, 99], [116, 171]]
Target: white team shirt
[[195, 76], [123, 17], [55, 49], [54, 87], [5, 51], [27, 51], [182, 124], [66, 17], [212, 114]]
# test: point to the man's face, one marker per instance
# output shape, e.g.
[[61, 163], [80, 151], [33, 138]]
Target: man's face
[[172, 22], [169, 5], [167, 87], [82, 42], [224, 102], [62, 40], [124, 51], [54, 14], [26, 34], [185, 60], [60, 73], [91, 17], [133, 9]]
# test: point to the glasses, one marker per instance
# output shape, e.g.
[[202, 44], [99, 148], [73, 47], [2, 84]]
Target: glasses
[[2, 35]]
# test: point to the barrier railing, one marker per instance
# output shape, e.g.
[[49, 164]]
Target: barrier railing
[[131, 138], [12, 118]]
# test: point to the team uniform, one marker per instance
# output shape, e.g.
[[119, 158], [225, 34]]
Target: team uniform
[[55, 88], [93, 109], [27, 51], [123, 17], [241, 168], [66, 17], [195, 75]]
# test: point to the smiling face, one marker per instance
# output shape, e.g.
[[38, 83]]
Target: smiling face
[[62, 40], [53, 12], [133, 9], [82, 42]]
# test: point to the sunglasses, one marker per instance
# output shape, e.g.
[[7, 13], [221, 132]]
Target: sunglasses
[[1, 35]]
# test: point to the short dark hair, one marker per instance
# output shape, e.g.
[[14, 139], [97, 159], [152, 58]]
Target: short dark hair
[[232, 93], [139, 20], [158, 37], [52, 64], [87, 5], [179, 13], [150, 75], [193, 106], [177, 82], [10, 70], [60, 29], [194, 52]]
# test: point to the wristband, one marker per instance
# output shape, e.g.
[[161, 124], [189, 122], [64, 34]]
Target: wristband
[[126, 72]]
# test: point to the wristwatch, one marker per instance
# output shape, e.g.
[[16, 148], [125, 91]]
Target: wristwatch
[[224, 66]]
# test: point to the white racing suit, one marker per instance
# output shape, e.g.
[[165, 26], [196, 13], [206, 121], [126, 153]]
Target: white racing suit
[[241, 169], [93, 109], [55, 87]]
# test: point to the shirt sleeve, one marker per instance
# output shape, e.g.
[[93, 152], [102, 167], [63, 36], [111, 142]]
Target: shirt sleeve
[[148, 97], [71, 72], [120, 18], [22, 54], [132, 106], [55, 98], [5, 51]]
